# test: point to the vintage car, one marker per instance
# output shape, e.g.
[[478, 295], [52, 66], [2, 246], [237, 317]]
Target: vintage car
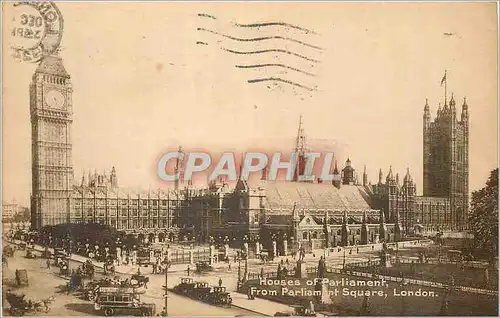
[[201, 291], [30, 254], [121, 301], [185, 287], [301, 311], [219, 296], [203, 267]]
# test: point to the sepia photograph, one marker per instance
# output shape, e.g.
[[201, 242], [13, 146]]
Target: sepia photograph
[[249, 158]]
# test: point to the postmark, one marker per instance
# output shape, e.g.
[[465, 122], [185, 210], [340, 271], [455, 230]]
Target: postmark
[[36, 30]]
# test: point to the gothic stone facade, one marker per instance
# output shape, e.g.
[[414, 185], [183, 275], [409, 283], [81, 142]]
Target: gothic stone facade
[[51, 119], [446, 159]]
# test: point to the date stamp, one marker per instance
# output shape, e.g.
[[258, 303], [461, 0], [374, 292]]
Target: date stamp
[[36, 30]]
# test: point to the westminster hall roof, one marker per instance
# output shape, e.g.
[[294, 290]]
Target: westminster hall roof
[[282, 195]]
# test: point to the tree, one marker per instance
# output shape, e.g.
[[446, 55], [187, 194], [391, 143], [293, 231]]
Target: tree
[[483, 215]]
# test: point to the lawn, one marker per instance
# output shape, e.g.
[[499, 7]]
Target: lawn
[[463, 275]]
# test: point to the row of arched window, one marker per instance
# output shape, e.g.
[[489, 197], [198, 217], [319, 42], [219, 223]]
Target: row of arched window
[[54, 79]]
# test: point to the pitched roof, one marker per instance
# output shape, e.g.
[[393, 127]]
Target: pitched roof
[[52, 65], [283, 195]]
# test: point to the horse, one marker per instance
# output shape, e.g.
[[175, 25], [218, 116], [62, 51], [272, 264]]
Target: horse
[[45, 303]]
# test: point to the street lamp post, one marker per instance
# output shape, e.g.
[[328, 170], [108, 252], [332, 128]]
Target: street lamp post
[[343, 260], [167, 266]]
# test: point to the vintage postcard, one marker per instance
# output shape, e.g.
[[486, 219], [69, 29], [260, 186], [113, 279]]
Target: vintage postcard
[[249, 158]]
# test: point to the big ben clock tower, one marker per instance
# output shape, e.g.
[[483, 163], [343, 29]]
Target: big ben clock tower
[[52, 168]]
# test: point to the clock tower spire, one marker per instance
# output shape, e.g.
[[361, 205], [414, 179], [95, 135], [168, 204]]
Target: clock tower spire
[[51, 145]]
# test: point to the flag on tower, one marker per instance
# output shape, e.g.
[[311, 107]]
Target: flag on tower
[[444, 79]]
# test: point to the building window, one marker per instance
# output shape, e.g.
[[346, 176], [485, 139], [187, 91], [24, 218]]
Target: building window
[[304, 235], [144, 202], [163, 202], [315, 235]]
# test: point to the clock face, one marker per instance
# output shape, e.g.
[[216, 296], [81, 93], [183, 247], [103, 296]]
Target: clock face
[[55, 99]]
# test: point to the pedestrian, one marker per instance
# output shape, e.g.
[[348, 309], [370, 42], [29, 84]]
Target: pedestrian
[[48, 263], [220, 282], [229, 268], [188, 270]]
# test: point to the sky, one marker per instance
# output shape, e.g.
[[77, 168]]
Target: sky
[[149, 77]]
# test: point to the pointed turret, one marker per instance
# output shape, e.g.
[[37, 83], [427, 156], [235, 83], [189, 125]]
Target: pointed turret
[[453, 109], [380, 176], [336, 182], [427, 114], [300, 150], [113, 178], [84, 182], [397, 178], [390, 176], [465, 112], [408, 179], [365, 177]]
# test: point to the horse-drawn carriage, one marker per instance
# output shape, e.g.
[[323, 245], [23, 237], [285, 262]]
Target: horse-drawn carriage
[[19, 306], [109, 267], [63, 265], [46, 253], [8, 251], [266, 256], [138, 280], [75, 282]]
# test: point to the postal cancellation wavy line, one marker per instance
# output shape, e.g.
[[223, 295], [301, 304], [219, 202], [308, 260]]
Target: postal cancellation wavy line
[[278, 37], [277, 23], [255, 39], [273, 51], [276, 65], [263, 24], [278, 79]]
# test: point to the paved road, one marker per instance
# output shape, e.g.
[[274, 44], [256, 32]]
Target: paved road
[[46, 282]]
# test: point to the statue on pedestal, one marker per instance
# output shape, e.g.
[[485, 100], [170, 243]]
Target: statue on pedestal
[[321, 267], [302, 254]]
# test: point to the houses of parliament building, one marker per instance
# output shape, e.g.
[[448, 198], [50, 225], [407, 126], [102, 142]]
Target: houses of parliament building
[[349, 211]]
